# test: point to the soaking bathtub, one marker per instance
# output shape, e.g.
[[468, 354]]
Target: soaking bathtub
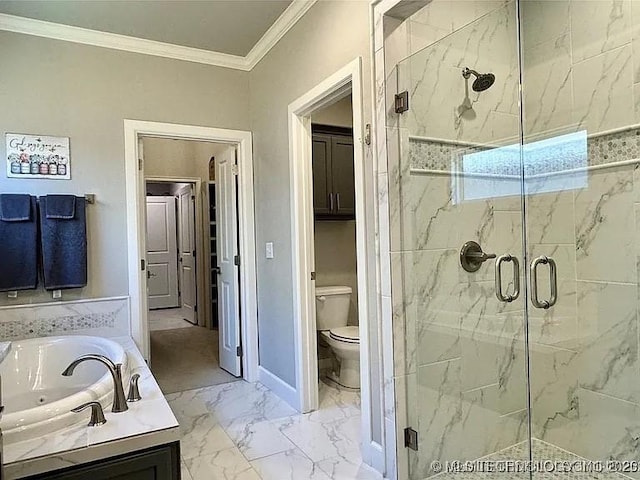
[[38, 399]]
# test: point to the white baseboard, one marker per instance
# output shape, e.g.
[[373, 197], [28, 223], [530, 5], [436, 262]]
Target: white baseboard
[[278, 386]]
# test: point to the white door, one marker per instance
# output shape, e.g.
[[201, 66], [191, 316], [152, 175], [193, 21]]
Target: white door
[[162, 254], [227, 249], [187, 253]]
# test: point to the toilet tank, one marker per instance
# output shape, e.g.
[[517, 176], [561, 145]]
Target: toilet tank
[[332, 307]]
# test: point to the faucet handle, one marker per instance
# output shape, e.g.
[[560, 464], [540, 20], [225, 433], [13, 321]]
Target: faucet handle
[[97, 415], [134, 391]]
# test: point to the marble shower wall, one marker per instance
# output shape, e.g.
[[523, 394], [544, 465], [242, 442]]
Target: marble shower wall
[[459, 363], [581, 65], [459, 353]]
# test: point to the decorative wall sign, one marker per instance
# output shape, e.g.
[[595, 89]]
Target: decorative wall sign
[[38, 156]]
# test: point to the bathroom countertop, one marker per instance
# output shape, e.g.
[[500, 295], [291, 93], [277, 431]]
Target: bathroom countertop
[[147, 423], [5, 348]]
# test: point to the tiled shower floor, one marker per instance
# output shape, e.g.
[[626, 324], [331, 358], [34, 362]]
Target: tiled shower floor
[[542, 451]]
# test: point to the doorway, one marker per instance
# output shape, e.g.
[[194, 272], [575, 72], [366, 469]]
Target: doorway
[[237, 334], [344, 83], [171, 244], [192, 241]]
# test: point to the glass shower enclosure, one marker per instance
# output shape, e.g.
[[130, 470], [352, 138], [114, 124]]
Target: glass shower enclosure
[[514, 200]]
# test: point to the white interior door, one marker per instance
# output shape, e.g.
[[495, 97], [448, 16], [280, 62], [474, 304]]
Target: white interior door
[[162, 254], [227, 249], [187, 253]]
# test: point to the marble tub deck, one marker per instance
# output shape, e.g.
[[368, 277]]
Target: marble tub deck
[[147, 423], [242, 431]]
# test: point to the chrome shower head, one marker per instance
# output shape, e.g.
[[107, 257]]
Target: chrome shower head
[[483, 80]]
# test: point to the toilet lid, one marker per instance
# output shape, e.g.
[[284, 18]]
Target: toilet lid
[[346, 334]]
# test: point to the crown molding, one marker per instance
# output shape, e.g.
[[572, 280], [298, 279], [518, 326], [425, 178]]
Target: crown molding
[[280, 27], [57, 31], [114, 41]]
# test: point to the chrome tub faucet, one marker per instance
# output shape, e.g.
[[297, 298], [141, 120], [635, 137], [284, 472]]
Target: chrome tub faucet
[[119, 399]]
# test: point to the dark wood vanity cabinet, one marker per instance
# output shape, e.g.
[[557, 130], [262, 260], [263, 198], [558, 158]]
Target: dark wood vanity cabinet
[[157, 463], [333, 173]]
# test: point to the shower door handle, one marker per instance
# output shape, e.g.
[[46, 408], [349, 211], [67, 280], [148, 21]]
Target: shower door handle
[[553, 281], [516, 278]]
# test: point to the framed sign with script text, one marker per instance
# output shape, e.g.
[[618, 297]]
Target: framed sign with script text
[[38, 156]]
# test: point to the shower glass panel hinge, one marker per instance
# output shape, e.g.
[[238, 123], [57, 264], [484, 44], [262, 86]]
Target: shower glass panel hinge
[[411, 438], [239, 351], [402, 102]]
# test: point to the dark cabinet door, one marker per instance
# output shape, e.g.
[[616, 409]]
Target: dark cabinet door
[[342, 176], [321, 158], [160, 463]]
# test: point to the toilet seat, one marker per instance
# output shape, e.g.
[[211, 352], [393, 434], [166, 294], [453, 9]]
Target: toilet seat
[[346, 334]]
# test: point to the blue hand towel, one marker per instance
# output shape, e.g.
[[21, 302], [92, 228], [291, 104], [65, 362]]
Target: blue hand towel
[[64, 245], [61, 206], [15, 207], [18, 244]]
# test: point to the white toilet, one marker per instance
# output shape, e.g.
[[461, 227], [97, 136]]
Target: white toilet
[[332, 312]]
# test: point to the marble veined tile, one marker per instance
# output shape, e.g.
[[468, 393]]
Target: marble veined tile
[[260, 439], [202, 435], [227, 464], [422, 35], [340, 468], [602, 90], [548, 81], [433, 213], [550, 218], [185, 471], [603, 209], [599, 26], [239, 403], [554, 381], [322, 440], [289, 465], [543, 21], [608, 328], [438, 410]]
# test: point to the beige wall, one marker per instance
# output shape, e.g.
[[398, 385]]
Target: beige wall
[[335, 249], [328, 37], [179, 158], [51, 87], [338, 114]]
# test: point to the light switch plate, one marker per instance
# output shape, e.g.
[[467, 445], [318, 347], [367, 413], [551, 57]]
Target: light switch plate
[[269, 250]]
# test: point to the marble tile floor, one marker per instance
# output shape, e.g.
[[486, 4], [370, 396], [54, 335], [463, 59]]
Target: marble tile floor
[[543, 452], [167, 319], [242, 431]]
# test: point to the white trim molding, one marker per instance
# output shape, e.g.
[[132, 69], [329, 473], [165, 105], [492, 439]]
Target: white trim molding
[[135, 194], [348, 79], [294, 12], [278, 386], [114, 41]]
